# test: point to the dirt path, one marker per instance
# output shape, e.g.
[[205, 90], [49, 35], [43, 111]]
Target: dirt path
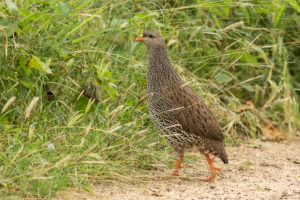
[[261, 170]]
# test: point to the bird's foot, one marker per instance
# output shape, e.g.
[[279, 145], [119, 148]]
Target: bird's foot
[[212, 167], [211, 178], [214, 171], [175, 173]]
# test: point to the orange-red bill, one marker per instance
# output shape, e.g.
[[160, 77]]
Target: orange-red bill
[[139, 39]]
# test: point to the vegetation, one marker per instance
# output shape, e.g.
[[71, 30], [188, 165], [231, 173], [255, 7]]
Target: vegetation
[[72, 82]]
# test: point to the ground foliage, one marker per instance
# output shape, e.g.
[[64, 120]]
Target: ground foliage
[[72, 82]]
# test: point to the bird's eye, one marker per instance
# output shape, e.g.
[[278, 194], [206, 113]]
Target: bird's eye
[[150, 36]]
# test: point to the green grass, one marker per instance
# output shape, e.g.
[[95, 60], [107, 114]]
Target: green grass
[[241, 56]]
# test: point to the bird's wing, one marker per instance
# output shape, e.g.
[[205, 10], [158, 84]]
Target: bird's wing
[[195, 117]]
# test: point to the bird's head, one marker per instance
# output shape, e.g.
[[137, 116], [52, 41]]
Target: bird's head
[[152, 39]]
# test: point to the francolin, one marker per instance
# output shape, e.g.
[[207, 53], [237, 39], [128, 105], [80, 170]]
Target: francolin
[[177, 110]]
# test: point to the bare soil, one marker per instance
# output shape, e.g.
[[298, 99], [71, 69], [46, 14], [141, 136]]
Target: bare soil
[[257, 170]]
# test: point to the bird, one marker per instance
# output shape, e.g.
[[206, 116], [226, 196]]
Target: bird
[[178, 111]]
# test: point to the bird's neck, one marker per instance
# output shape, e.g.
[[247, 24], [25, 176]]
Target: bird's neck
[[161, 75]]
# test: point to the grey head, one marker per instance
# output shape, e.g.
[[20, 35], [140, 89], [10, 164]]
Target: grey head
[[152, 39]]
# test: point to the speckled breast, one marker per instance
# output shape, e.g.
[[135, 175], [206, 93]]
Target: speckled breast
[[162, 115]]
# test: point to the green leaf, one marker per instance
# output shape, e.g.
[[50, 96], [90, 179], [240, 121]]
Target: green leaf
[[36, 63], [82, 103], [70, 62], [118, 22], [223, 77], [85, 21], [280, 13], [26, 84], [111, 89], [13, 9], [248, 58], [294, 4], [91, 35], [63, 8], [248, 87], [82, 6], [9, 27], [142, 15]]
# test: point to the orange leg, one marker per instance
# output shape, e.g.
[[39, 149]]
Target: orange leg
[[212, 168], [177, 166]]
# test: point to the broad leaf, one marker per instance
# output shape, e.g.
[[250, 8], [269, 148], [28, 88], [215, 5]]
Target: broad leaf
[[13, 9], [36, 63], [223, 77]]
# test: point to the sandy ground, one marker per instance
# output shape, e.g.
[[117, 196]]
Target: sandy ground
[[260, 170]]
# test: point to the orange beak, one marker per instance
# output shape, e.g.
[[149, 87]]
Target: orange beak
[[139, 39]]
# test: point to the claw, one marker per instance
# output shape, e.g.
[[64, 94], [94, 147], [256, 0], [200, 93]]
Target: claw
[[213, 169]]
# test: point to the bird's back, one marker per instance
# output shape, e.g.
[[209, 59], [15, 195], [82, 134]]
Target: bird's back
[[195, 117]]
